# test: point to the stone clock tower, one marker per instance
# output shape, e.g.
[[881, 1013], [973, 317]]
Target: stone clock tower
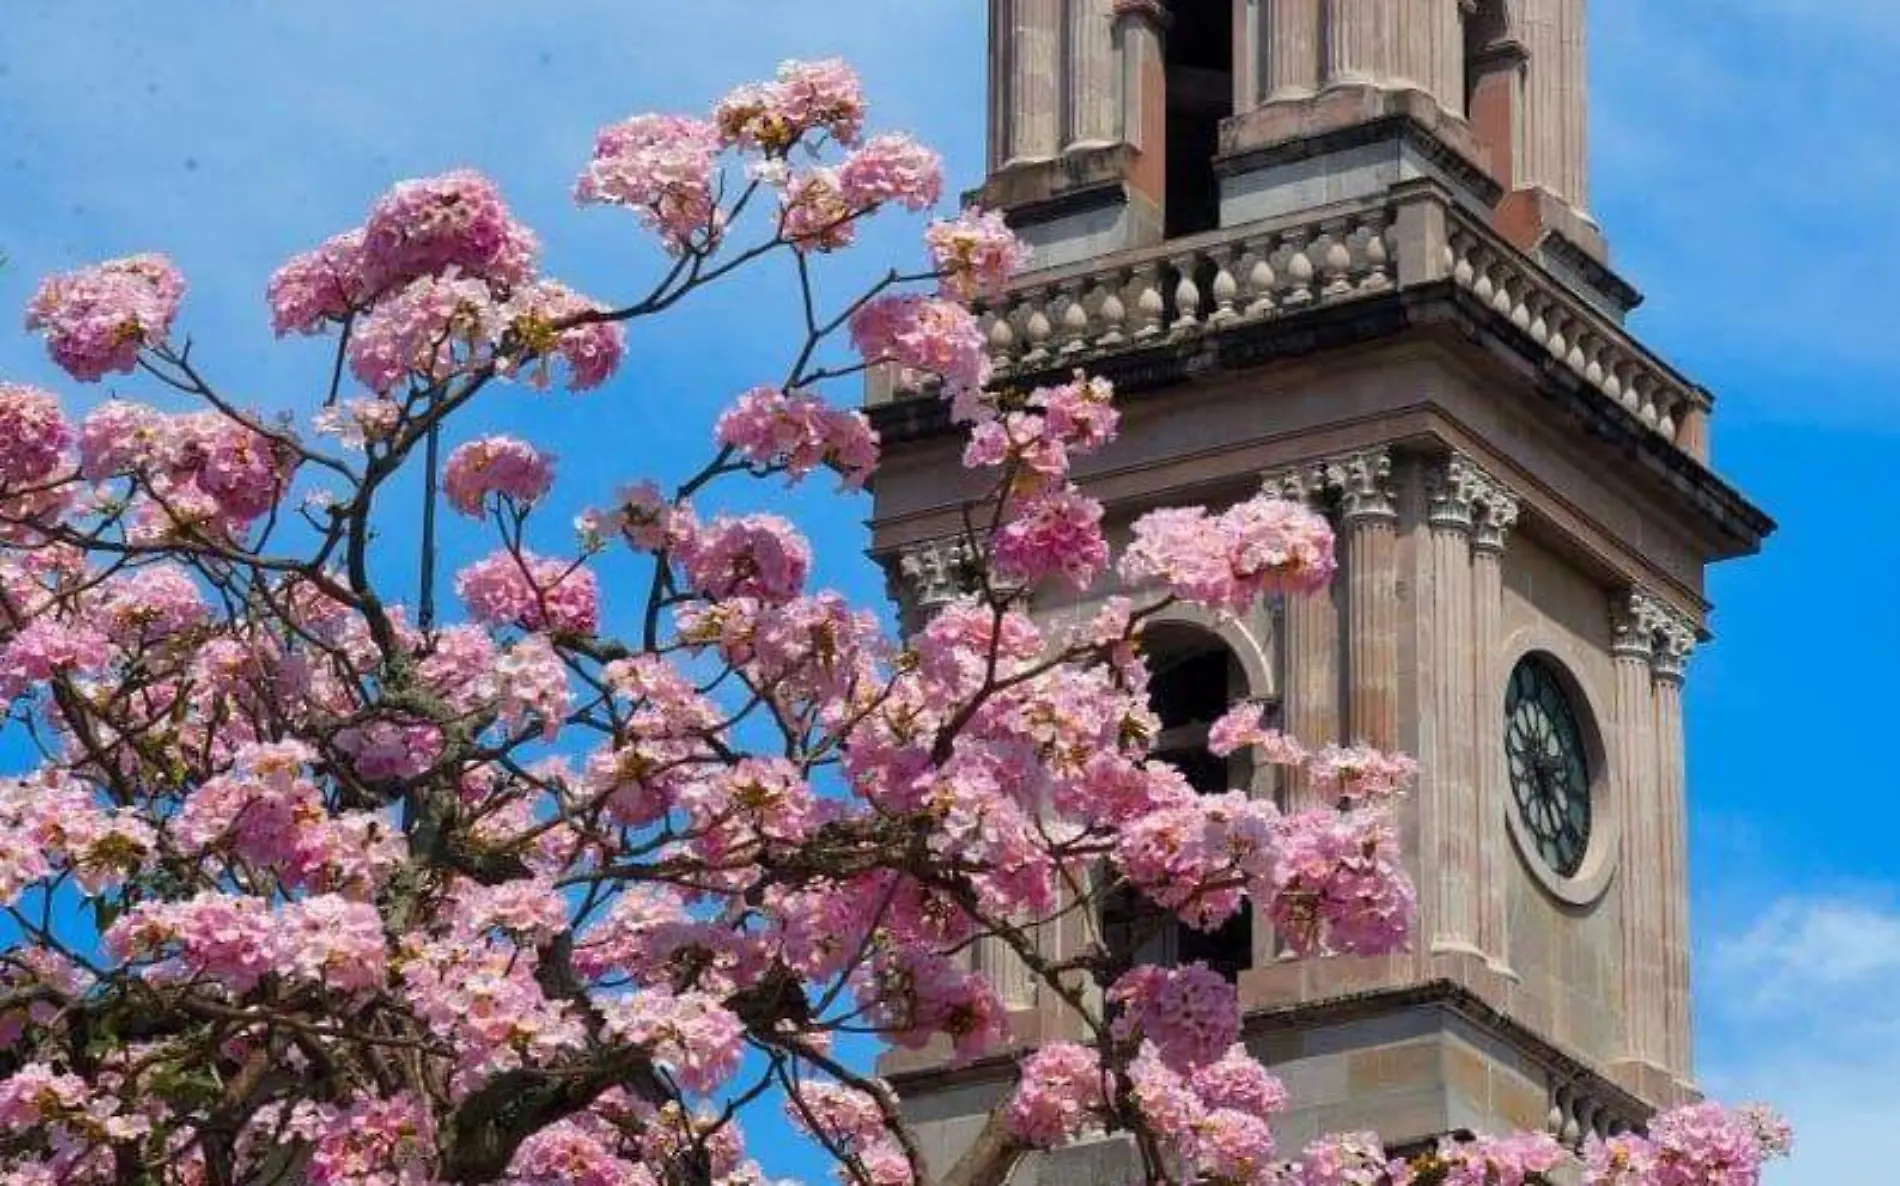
[[1343, 248]]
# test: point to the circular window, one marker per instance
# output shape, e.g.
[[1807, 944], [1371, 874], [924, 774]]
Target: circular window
[[1549, 766]]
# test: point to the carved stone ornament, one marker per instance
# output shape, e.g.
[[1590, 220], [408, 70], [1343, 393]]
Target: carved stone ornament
[[1644, 626]]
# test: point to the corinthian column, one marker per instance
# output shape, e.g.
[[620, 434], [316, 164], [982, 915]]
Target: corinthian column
[[1369, 520], [1496, 516], [1447, 781], [1675, 642], [1310, 627], [1290, 43], [1634, 619]]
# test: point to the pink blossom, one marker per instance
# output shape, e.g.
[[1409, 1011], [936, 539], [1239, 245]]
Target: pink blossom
[[1063, 1089], [1237, 1081], [33, 434], [244, 471], [543, 317], [322, 285], [45, 648], [798, 432], [1190, 1013], [891, 168], [1054, 534], [1229, 561], [150, 604], [976, 252], [497, 465], [1337, 884], [1344, 1159], [1243, 727], [432, 329], [815, 214], [750, 556], [117, 437], [533, 684], [1360, 773], [533, 592], [1490, 1161], [96, 320], [661, 167], [691, 1034], [431, 226], [770, 117], [375, 1142], [924, 334]]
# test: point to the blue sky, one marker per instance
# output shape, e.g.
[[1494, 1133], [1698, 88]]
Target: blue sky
[[1743, 170]]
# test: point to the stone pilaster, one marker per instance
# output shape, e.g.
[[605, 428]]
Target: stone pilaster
[[1358, 40], [1093, 75], [1448, 808], [1034, 52], [1494, 521], [1290, 47], [1634, 620], [1675, 641], [1310, 646], [1428, 49], [1368, 517], [1555, 116]]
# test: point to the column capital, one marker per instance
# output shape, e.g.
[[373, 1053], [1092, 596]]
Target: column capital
[[1303, 483], [1454, 489], [1152, 11], [1496, 517], [1675, 643], [1363, 482], [934, 573], [1645, 627]]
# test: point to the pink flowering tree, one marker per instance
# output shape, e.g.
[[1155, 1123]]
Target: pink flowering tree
[[315, 882]]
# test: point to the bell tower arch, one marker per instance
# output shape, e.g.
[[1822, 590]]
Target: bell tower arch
[[1342, 249]]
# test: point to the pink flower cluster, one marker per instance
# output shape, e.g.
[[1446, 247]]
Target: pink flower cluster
[[796, 433], [770, 117], [204, 470], [1339, 886], [1190, 1013], [1698, 1145], [530, 591], [760, 556], [235, 941], [1063, 1090], [976, 252], [662, 167], [453, 222], [33, 435], [1359, 773], [1037, 439], [1053, 534], [926, 336], [495, 465], [890, 169], [691, 1034], [96, 320], [1484, 1161], [1230, 560]]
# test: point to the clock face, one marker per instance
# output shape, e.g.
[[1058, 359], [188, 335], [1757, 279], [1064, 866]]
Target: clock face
[[1550, 772]]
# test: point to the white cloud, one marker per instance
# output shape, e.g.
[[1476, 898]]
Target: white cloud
[[1800, 1010]]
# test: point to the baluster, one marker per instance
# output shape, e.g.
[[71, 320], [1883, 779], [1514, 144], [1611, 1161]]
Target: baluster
[[1464, 271], [1539, 328], [1668, 415], [1335, 258], [1075, 318], [1559, 343], [1577, 359], [1001, 337], [1225, 288], [1187, 294], [1261, 280], [1110, 311], [1482, 285], [1297, 271], [1150, 309], [1036, 328], [1593, 373], [1378, 253]]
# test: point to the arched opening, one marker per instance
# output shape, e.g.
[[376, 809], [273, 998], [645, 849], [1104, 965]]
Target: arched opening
[[1195, 679], [1199, 63]]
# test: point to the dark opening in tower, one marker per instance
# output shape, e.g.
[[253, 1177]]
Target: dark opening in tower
[[1195, 680], [1200, 88]]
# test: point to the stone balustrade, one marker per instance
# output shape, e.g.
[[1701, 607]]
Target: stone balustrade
[[1190, 286], [1599, 352], [1206, 284]]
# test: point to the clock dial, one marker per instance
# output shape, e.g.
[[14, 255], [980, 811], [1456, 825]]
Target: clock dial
[[1550, 772]]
